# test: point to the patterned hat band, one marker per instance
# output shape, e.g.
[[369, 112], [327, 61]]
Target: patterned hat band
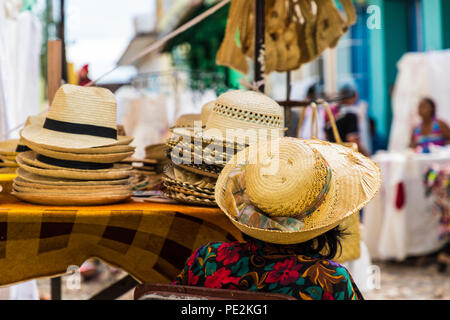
[[249, 214]]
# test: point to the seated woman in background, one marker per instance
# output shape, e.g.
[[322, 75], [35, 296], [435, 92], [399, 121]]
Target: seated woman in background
[[431, 131], [290, 221]]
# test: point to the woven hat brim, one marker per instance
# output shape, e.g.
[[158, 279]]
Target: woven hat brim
[[62, 141], [201, 153], [58, 181], [198, 170], [344, 198], [170, 177], [30, 158], [189, 135], [8, 147], [8, 170], [8, 164], [77, 175], [187, 191], [25, 186], [90, 157], [120, 148], [8, 158], [71, 190], [73, 199], [189, 199]]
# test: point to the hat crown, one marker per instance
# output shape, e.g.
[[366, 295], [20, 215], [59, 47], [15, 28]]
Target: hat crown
[[299, 177], [84, 105], [245, 110], [206, 111]]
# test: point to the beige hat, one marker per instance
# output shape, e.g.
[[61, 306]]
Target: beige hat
[[187, 120], [315, 187], [74, 199], [36, 179], [189, 180], [207, 109], [8, 147], [243, 110], [189, 198], [87, 157], [33, 166], [79, 117], [156, 151]]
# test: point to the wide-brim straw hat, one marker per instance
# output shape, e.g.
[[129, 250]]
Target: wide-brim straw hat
[[318, 183], [188, 180], [79, 117], [116, 173], [34, 159], [74, 199], [246, 113], [189, 198], [87, 157], [22, 183], [37, 179], [156, 152], [187, 120], [8, 147]]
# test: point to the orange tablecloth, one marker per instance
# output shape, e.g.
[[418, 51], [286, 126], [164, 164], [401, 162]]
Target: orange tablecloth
[[150, 241]]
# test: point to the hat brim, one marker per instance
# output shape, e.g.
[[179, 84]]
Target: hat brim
[[189, 199], [25, 186], [30, 158], [59, 199], [66, 142], [58, 181], [355, 181], [89, 157], [120, 172], [8, 147]]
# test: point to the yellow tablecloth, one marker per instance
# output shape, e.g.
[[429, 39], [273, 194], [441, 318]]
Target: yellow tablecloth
[[150, 241]]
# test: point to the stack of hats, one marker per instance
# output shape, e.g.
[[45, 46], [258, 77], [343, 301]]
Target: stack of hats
[[8, 153], [235, 120], [76, 150]]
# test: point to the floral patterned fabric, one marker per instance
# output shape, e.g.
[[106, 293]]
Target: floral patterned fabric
[[258, 266]]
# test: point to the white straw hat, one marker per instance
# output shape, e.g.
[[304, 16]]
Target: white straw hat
[[36, 179], [79, 117], [315, 187]]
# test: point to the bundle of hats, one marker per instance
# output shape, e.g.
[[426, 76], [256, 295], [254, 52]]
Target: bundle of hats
[[8, 153], [296, 32], [235, 120], [76, 150]]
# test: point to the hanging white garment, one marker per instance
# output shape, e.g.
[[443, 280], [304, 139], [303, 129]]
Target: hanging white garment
[[20, 47], [419, 75]]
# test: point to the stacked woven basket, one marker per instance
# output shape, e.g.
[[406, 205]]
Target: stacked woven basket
[[75, 152], [199, 151]]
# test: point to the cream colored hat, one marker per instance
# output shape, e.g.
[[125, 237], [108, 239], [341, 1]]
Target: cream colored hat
[[8, 147], [80, 117], [207, 109], [36, 179], [241, 111], [83, 157], [312, 187]]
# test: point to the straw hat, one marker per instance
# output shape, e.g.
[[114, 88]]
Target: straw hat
[[189, 199], [207, 109], [8, 147], [87, 157], [187, 120], [32, 158], [156, 151], [79, 117], [243, 110], [314, 185], [178, 177], [33, 166], [35, 179], [74, 199]]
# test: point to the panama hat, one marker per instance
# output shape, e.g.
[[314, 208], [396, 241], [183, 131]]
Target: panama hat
[[187, 121], [75, 199], [206, 111], [243, 110], [189, 198], [79, 117], [156, 151], [315, 187], [87, 157], [189, 180], [32, 178], [33, 166], [8, 147], [37, 160]]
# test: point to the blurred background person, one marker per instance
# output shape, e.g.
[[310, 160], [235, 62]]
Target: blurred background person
[[347, 119], [431, 131]]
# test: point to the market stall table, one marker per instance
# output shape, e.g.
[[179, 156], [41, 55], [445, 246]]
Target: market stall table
[[150, 241]]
